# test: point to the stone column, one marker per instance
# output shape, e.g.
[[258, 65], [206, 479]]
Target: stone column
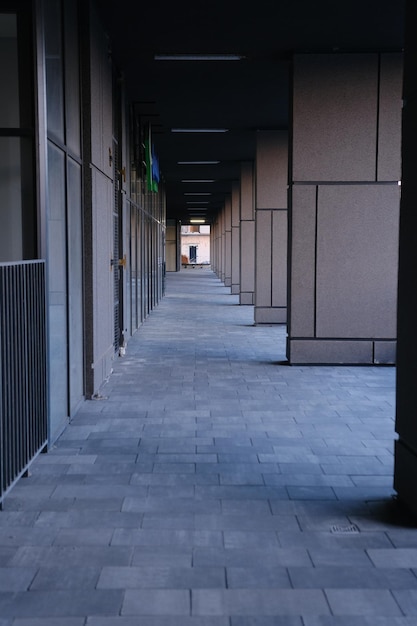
[[344, 207], [235, 239], [228, 243], [247, 234], [173, 246], [271, 227]]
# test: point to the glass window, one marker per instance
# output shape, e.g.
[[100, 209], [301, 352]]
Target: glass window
[[9, 73], [11, 245], [54, 69]]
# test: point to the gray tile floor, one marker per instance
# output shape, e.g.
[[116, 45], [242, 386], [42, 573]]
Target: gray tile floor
[[214, 485]]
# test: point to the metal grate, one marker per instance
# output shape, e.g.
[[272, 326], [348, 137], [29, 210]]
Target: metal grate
[[116, 245], [341, 529], [23, 377]]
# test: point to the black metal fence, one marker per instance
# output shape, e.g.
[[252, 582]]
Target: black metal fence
[[23, 370]]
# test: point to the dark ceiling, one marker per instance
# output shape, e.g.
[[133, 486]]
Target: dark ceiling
[[242, 96]]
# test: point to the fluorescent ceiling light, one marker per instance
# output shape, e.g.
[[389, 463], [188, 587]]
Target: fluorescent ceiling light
[[199, 130], [197, 193], [196, 180], [197, 221], [197, 202], [198, 57], [198, 162]]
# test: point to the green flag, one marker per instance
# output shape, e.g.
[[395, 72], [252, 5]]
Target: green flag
[[152, 169]]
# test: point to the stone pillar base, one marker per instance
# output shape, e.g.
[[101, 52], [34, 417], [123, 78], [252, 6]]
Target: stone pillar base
[[404, 476]]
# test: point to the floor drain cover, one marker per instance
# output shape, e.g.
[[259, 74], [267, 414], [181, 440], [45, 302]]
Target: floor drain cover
[[344, 530]]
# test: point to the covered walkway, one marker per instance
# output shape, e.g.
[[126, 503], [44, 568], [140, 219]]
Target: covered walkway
[[213, 485]]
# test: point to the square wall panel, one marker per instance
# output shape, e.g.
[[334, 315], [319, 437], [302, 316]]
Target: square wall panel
[[303, 260], [335, 110], [357, 261]]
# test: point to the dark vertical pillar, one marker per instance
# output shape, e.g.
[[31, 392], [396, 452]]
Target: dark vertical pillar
[[405, 478]]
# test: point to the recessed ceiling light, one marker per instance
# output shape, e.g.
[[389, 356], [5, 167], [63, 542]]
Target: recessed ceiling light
[[198, 162], [198, 57], [199, 130]]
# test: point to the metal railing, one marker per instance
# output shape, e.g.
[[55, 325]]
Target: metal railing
[[23, 369]]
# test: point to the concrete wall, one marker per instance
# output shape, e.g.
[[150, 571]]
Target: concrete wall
[[344, 203], [405, 481], [271, 227]]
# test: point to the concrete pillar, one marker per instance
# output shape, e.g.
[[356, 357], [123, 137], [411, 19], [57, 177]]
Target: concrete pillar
[[213, 228], [228, 243], [344, 203], [218, 245], [173, 246], [247, 234], [235, 239], [271, 227], [222, 264], [405, 477]]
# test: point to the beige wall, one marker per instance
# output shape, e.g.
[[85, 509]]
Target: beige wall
[[201, 240]]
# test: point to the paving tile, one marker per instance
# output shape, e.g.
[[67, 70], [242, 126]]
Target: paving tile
[[169, 602], [72, 556], [236, 539], [156, 620], [354, 620], [23, 536], [49, 621], [16, 578], [255, 522], [273, 557], [83, 537], [323, 540], [162, 505], [75, 578], [257, 577], [257, 602], [7, 554], [400, 557], [201, 538], [168, 577], [340, 557], [89, 519], [267, 621], [311, 493], [362, 602], [60, 603], [407, 599], [352, 577]]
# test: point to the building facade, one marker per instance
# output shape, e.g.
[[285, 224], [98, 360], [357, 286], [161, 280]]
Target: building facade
[[309, 235], [77, 202]]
